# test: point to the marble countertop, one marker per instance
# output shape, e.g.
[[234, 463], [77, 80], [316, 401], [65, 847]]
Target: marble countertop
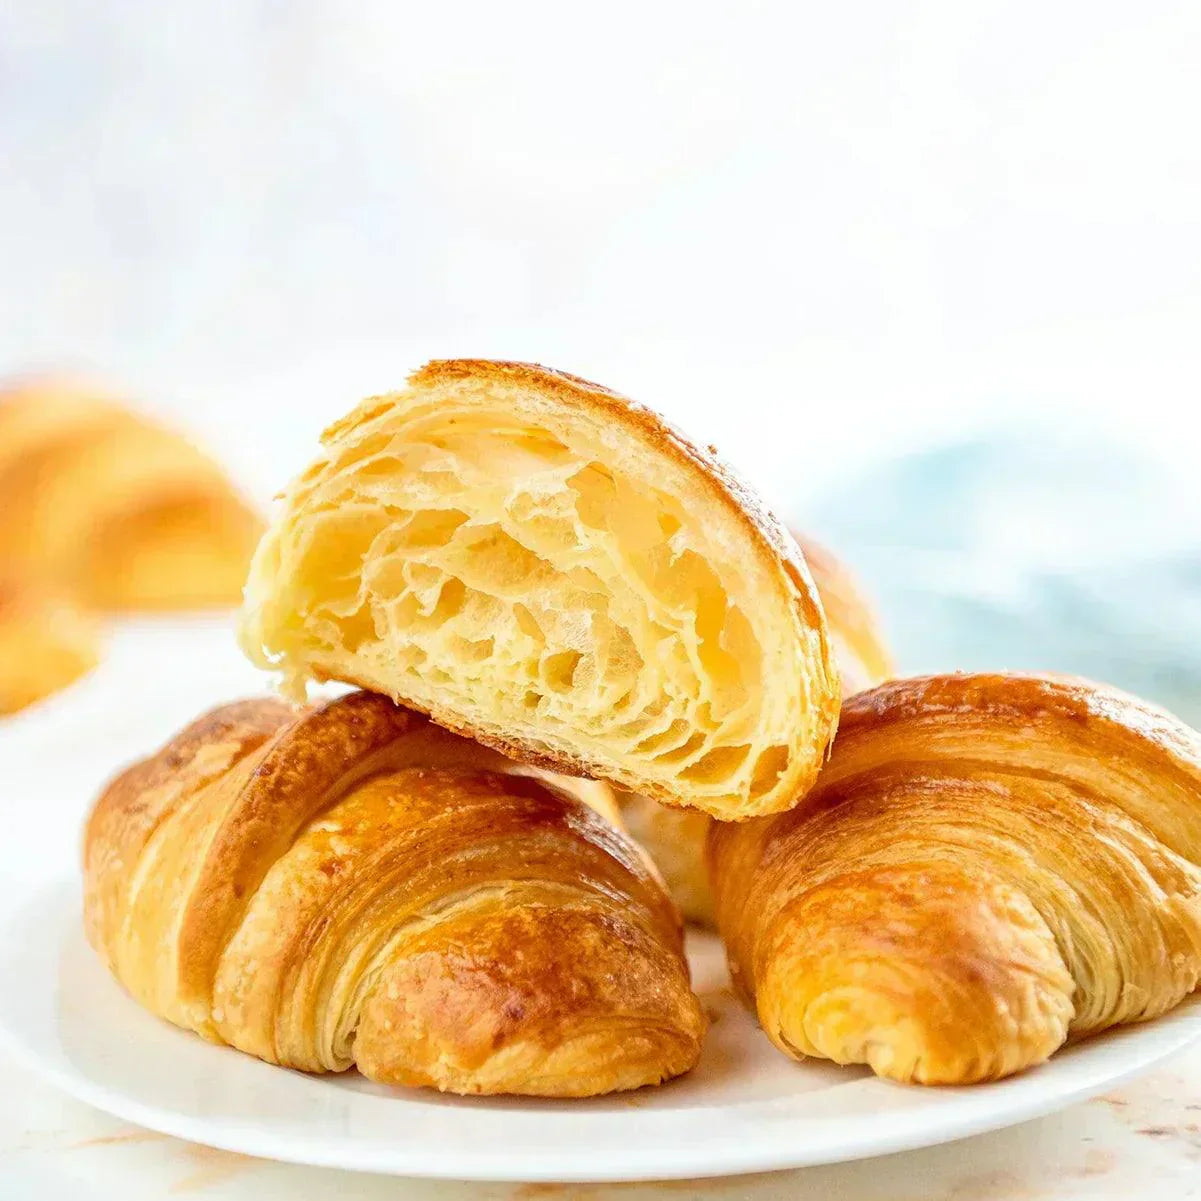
[[1143, 1140]]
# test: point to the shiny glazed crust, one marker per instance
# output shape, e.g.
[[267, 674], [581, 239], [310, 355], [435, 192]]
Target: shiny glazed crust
[[674, 837], [989, 866], [546, 566], [352, 885], [112, 508]]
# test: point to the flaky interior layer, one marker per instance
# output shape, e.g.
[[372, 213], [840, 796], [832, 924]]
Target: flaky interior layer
[[541, 579]]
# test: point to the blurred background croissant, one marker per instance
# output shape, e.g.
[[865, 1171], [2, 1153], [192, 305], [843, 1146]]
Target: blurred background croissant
[[102, 509]]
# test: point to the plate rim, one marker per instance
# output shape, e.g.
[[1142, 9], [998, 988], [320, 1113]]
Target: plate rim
[[1018, 1100]]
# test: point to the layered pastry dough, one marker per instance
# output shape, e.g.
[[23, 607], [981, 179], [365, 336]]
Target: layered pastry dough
[[676, 837], [46, 643], [989, 866], [542, 564], [353, 885], [114, 509]]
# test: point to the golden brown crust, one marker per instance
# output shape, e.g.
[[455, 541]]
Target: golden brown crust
[[1021, 849], [507, 978], [114, 509], [298, 619], [327, 886], [135, 803]]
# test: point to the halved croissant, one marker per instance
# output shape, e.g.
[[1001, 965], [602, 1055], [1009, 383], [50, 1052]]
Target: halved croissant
[[541, 563], [114, 509], [674, 837], [354, 885], [988, 866], [46, 643]]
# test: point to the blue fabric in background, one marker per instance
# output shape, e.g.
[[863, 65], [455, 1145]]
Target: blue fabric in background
[[1031, 550]]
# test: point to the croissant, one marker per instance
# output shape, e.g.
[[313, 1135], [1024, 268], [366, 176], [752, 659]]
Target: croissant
[[989, 866], [675, 838], [111, 507], [353, 885], [546, 566], [858, 642], [46, 643]]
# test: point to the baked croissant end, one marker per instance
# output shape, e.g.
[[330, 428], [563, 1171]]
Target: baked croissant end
[[542, 564], [352, 885], [989, 866], [46, 643], [674, 837], [116, 510], [856, 638]]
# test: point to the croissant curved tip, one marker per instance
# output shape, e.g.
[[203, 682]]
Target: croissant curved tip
[[923, 974], [527, 1003]]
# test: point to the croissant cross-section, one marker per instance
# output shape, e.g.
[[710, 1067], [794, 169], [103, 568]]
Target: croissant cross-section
[[353, 885], [676, 837], [989, 866], [541, 563]]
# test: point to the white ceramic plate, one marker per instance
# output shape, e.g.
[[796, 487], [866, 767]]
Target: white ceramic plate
[[745, 1108]]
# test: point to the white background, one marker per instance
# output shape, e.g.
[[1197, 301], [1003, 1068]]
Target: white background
[[816, 233]]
